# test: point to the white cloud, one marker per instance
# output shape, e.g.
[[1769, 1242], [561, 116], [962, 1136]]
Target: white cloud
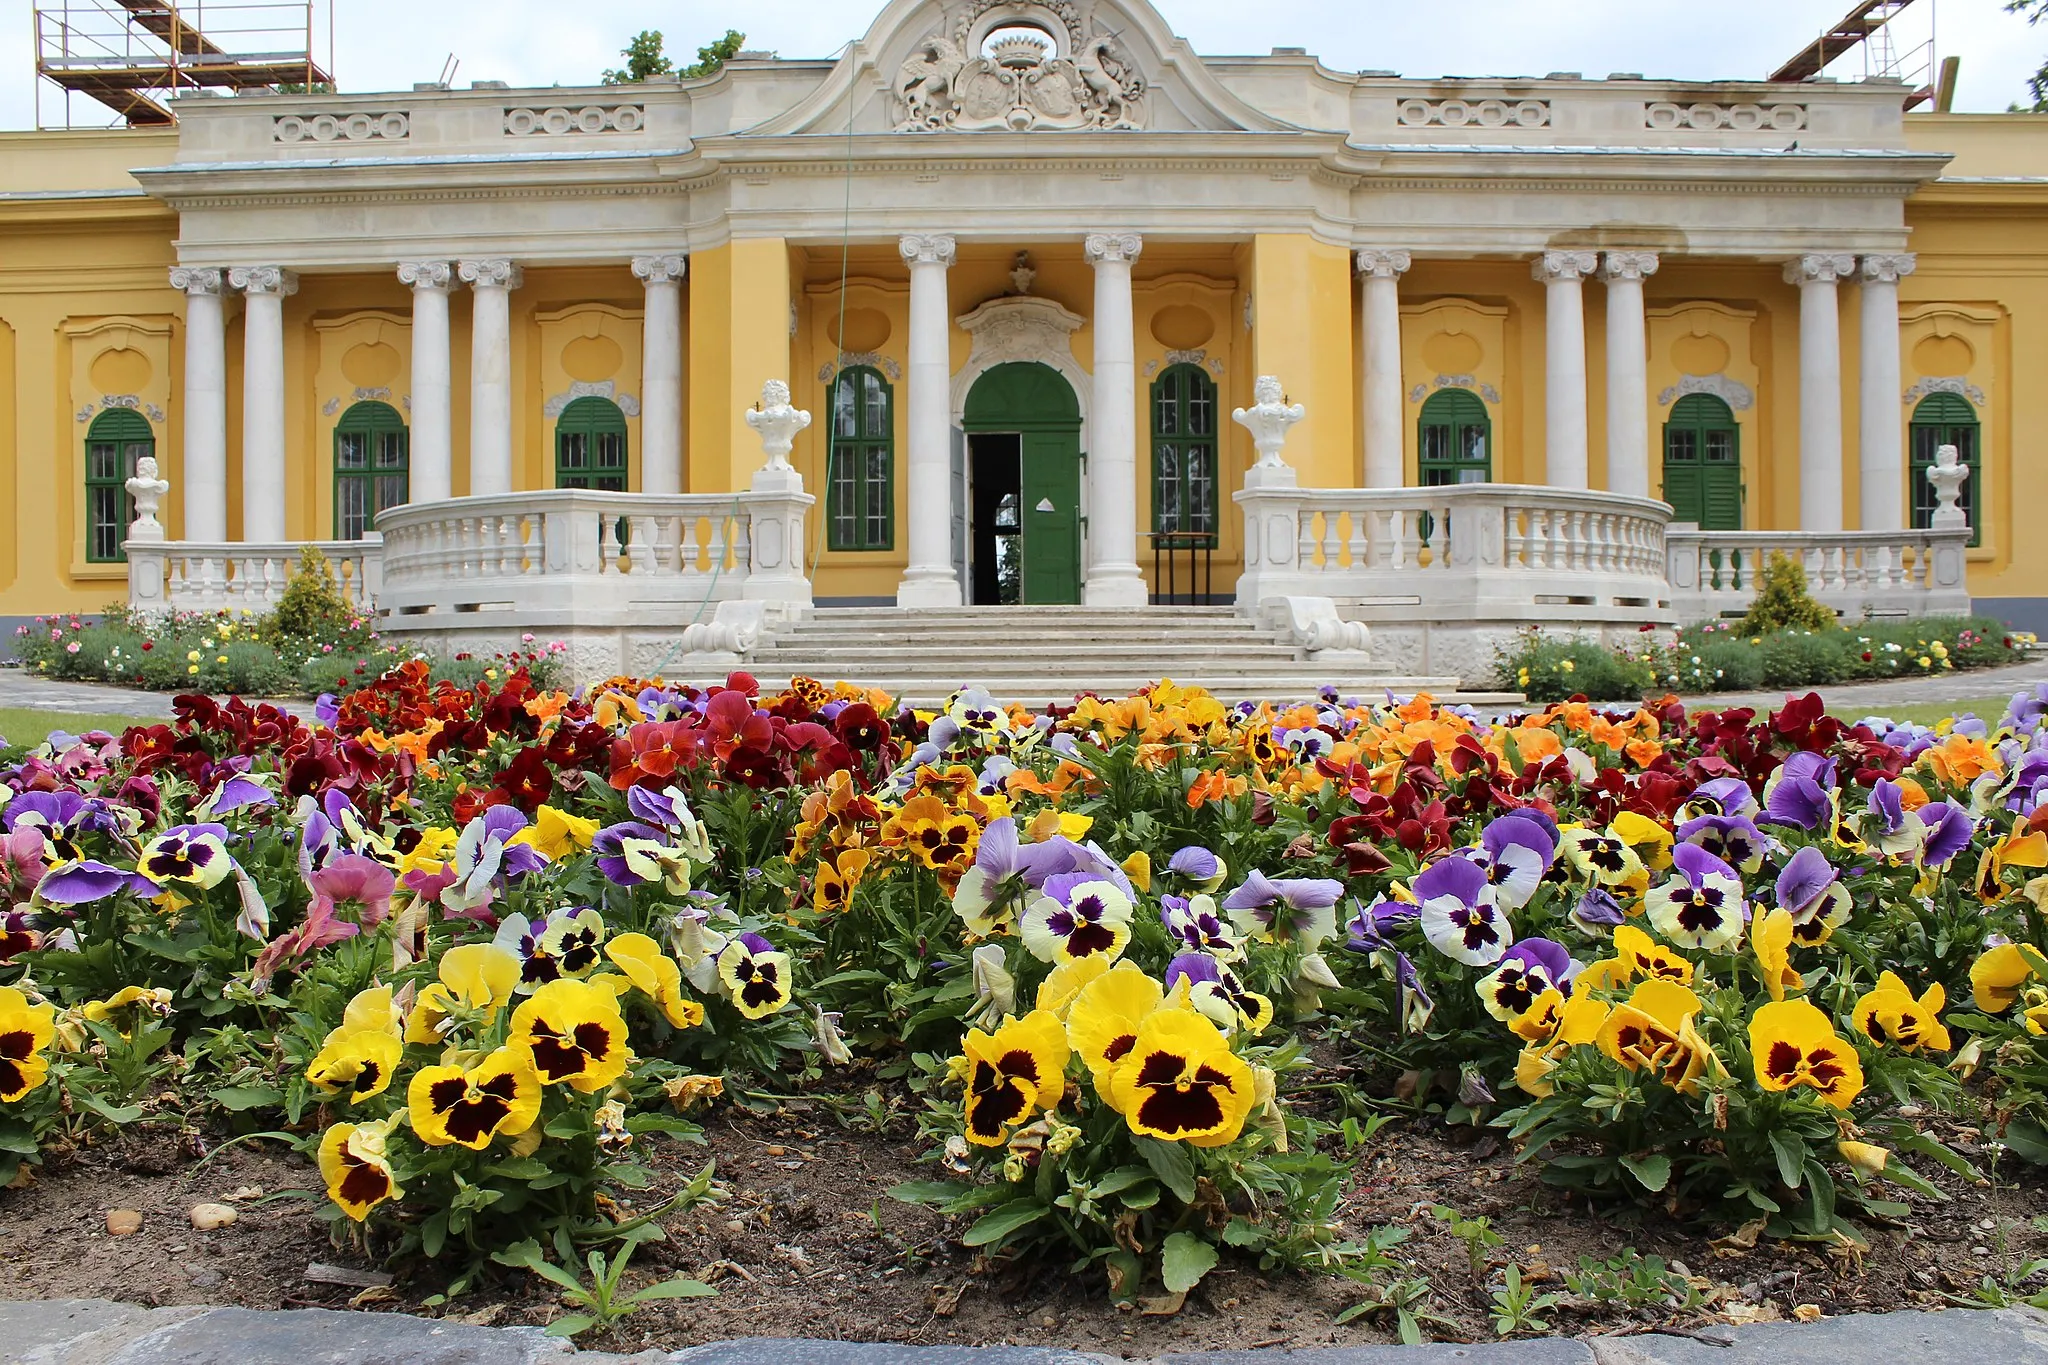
[[389, 44]]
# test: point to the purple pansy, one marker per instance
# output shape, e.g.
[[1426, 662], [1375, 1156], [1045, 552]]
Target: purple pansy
[[1525, 971], [1373, 927], [1459, 915], [1273, 909], [1734, 839]]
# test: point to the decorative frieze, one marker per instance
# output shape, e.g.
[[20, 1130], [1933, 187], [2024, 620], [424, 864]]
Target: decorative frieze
[[394, 126], [1197, 356], [1730, 391], [121, 400], [1482, 113], [605, 388], [521, 121], [1708, 117], [1486, 392], [873, 360], [1021, 82], [1955, 384]]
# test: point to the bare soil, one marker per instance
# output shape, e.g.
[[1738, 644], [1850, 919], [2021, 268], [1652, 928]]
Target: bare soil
[[808, 1243]]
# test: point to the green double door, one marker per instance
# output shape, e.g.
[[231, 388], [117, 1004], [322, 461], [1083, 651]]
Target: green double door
[[1023, 470], [1703, 463]]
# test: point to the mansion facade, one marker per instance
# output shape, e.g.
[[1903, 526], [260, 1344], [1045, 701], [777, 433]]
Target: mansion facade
[[1022, 259]]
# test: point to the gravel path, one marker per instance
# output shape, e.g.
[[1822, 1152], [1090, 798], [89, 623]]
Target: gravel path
[[1988, 682], [18, 689]]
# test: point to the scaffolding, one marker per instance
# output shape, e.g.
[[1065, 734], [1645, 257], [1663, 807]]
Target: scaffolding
[[1867, 29], [134, 56]]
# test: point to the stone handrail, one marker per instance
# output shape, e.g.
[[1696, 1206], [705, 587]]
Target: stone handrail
[[593, 554], [195, 576], [1466, 550], [1858, 573]]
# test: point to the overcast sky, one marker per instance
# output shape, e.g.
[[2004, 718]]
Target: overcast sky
[[389, 44]]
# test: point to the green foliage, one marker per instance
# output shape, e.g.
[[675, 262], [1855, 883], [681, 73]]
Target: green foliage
[[1517, 1306], [714, 55], [2037, 84], [644, 58], [604, 1306], [1544, 669], [1782, 601], [313, 605], [1632, 1279]]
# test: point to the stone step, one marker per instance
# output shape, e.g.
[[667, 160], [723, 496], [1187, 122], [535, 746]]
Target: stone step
[[1038, 691], [1107, 613], [1009, 653]]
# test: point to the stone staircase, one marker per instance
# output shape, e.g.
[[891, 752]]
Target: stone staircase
[[1037, 655]]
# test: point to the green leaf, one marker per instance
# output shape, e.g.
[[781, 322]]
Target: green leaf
[[2027, 1140], [926, 1191], [675, 1289], [1790, 1149], [681, 1129], [1172, 1164], [1122, 1178], [994, 1227], [1653, 1173], [520, 1168], [1927, 1145], [434, 1235], [241, 1097], [112, 1113], [1184, 1260], [1820, 1186], [570, 1325]]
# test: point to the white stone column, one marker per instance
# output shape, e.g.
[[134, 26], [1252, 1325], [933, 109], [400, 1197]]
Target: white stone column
[[1113, 579], [1881, 437], [1564, 365], [1628, 372], [264, 288], [1820, 388], [431, 421], [928, 578], [490, 374], [206, 404], [1379, 281], [661, 371]]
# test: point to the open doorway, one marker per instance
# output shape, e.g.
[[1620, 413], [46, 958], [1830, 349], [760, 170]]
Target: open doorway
[[995, 490]]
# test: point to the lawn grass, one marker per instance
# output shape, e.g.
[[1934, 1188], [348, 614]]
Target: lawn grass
[[23, 727], [1987, 709]]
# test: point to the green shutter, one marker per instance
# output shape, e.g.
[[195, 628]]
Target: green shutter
[[117, 438], [1703, 463], [1455, 439], [372, 467], [590, 445], [1942, 419], [860, 466]]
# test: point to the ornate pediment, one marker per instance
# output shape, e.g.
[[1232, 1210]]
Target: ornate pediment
[[1018, 66]]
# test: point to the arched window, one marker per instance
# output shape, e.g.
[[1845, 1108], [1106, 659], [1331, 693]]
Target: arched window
[[590, 445], [1455, 439], [370, 467], [1946, 419], [860, 480], [1703, 463], [116, 439], [1184, 452]]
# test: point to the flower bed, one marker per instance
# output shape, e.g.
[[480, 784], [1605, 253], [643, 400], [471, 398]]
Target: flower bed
[[1149, 972], [239, 652], [1720, 656]]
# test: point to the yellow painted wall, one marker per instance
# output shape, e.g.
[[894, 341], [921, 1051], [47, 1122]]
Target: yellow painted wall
[[85, 276]]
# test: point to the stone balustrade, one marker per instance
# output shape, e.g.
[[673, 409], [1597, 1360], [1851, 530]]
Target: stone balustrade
[[189, 575], [574, 550], [1858, 573], [1471, 550]]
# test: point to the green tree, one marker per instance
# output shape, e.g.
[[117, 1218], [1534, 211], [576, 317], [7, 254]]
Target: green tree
[[644, 58], [714, 55], [2037, 84], [1782, 601]]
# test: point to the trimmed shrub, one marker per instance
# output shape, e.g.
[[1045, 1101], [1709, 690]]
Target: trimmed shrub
[[1783, 603]]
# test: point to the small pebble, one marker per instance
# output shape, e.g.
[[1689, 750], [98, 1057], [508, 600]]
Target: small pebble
[[1980, 1251], [207, 1217], [123, 1222], [778, 1151]]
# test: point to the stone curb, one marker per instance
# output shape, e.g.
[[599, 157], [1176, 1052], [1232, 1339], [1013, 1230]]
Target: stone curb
[[100, 1332]]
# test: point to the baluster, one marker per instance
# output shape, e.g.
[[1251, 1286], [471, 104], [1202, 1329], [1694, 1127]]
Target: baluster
[[743, 544], [687, 553], [1356, 546], [1305, 540], [640, 548], [715, 559], [1330, 542], [665, 542]]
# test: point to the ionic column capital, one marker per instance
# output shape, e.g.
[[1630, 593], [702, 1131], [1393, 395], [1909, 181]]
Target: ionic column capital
[[1888, 269], [1563, 267], [196, 279], [497, 273], [1628, 265], [664, 269], [1820, 267], [1112, 248], [1382, 265], [934, 248], [257, 280], [432, 275]]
